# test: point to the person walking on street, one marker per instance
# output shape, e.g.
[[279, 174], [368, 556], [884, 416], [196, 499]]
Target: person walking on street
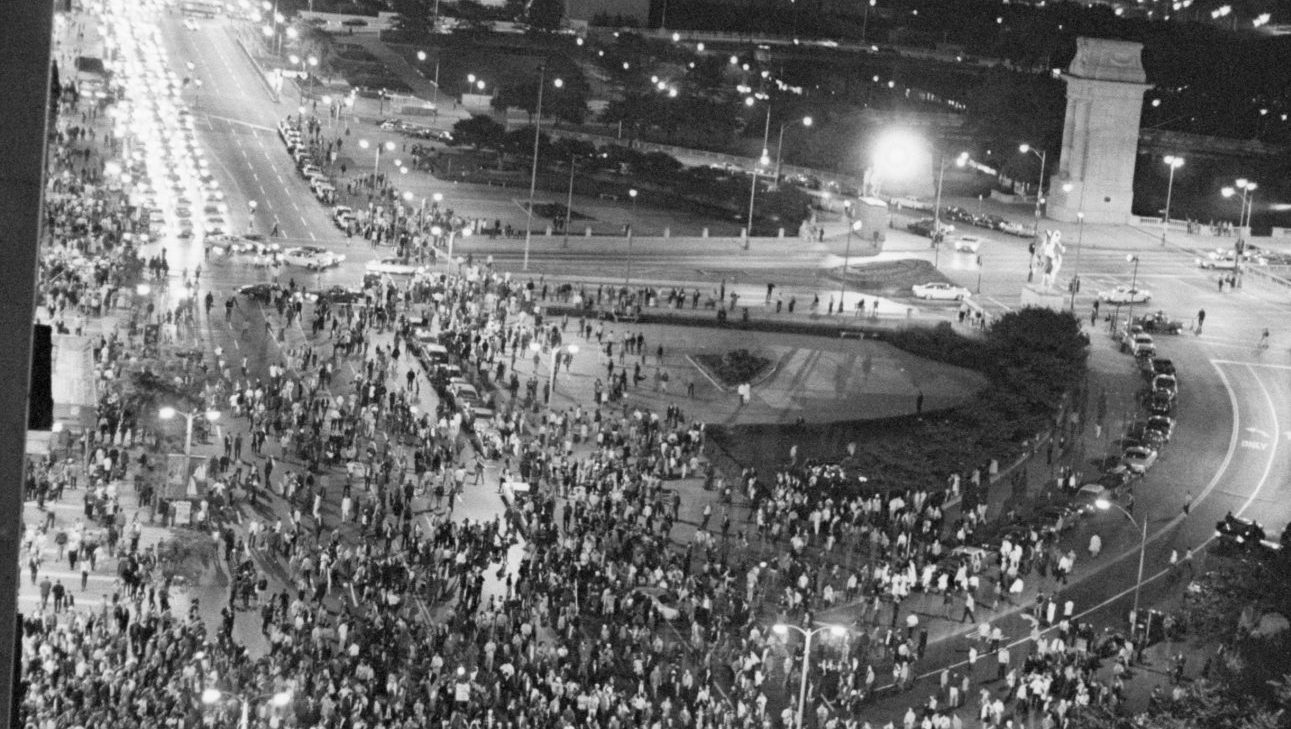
[[1201, 319], [969, 605]]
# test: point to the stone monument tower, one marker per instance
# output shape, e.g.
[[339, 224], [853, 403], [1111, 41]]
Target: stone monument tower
[[1100, 138]]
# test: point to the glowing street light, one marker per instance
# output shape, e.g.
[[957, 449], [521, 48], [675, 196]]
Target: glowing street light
[[782, 629], [1174, 162], [806, 122], [1104, 505]]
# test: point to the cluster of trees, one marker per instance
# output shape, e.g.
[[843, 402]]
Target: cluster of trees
[[657, 175], [1033, 359]]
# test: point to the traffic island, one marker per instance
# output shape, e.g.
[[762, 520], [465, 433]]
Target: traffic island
[[734, 368]]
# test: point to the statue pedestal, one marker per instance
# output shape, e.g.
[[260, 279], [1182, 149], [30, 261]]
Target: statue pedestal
[[1044, 297]]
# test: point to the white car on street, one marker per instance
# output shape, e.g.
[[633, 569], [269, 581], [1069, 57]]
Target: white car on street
[[312, 257], [967, 244], [394, 267], [1125, 295], [941, 291]]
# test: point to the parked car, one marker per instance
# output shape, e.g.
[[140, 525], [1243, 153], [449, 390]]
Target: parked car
[[957, 214], [1162, 424], [992, 222], [1142, 343], [910, 202], [394, 267], [338, 295], [1159, 403], [1168, 384], [941, 291], [1139, 458], [927, 226], [1162, 366], [1125, 295]]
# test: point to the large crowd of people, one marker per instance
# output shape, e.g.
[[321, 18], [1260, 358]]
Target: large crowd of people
[[336, 525]]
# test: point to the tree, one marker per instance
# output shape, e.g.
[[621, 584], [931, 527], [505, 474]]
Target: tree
[[546, 14], [413, 16], [478, 132]]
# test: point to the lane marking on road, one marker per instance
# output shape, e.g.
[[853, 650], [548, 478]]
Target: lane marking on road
[[1251, 364]]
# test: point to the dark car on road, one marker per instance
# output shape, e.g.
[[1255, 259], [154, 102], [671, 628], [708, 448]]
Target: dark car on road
[[1159, 323], [262, 292], [1236, 534]]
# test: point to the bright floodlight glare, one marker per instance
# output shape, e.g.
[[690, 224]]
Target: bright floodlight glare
[[1024, 148], [837, 630], [212, 415], [421, 55], [1066, 187], [898, 154], [281, 699], [1103, 504], [807, 121], [558, 83], [210, 695], [572, 349], [166, 413], [632, 193], [143, 289], [780, 628], [1241, 182], [1227, 192]]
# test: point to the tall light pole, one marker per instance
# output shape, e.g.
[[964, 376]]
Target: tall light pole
[[627, 279], [865, 22], [167, 412], [806, 122], [533, 173], [212, 696], [1080, 238], [1174, 162], [960, 161], [1104, 504], [847, 252], [569, 201], [762, 161], [553, 366], [782, 629], [1039, 188], [376, 163], [1134, 287]]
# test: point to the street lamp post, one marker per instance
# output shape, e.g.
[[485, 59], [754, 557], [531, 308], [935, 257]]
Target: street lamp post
[[960, 161], [1134, 287], [806, 122], [166, 413], [572, 349], [627, 279], [763, 160], [1104, 504], [533, 173], [1174, 162], [569, 202], [1039, 188], [1080, 239], [847, 252], [376, 165], [865, 22], [212, 696], [783, 629]]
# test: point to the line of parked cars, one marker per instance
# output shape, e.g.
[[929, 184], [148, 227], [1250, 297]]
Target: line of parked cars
[[955, 214]]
